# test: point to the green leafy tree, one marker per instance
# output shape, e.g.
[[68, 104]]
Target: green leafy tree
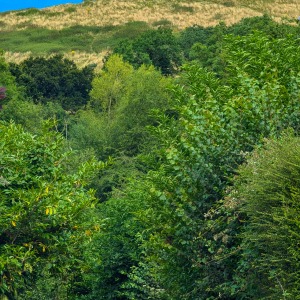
[[122, 100], [115, 124], [54, 80], [194, 34], [158, 47], [46, 212], [109, 87], [204, 45], [265, 24], [17, 107]]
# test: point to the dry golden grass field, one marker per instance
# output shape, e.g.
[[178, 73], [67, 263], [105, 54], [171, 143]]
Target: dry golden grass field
[[81, 58], [179, 13]]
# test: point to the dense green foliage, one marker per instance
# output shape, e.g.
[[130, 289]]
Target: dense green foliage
[[117, 116], [180, 218], [185, 254], [157, 47], [54, 80], [126, 98], [167, 50], [45, 213], [7, 81], [266, 195]]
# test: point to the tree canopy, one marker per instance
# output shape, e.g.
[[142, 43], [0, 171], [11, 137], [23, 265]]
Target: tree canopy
[[55, 79], [45, 212]]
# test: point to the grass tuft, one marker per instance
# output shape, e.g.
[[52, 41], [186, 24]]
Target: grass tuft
[[162, 23], [177, 8]]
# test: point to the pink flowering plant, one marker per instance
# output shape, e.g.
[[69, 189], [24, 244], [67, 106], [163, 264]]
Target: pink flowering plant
[[2, 93]]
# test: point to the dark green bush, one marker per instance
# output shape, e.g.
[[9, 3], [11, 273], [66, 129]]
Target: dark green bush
[[54, 80], [158, 47]]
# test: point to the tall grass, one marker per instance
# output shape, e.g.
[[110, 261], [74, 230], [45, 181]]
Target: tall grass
[[181, 13]]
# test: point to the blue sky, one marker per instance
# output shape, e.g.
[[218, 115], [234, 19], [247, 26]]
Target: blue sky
[[21, 4]]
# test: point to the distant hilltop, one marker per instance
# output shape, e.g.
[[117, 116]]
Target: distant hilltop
[[180, 14]]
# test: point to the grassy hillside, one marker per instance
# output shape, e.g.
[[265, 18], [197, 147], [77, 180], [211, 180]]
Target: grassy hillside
[[180, 13], [86, 31]]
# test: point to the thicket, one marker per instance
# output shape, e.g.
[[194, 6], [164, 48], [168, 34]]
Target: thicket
[[167, 50], [55, 80], [266, 197], [46, 212], [159, 48], [186, 253], [175, 216]]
